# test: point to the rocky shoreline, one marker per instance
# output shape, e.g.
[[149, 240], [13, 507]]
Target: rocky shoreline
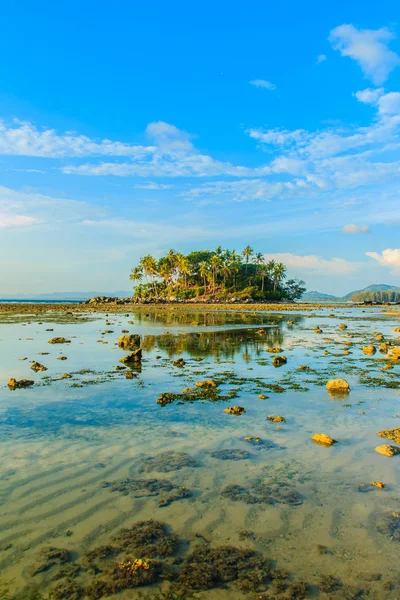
[[103, 304]]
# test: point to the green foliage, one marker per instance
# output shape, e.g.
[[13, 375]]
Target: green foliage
[[220, 274]]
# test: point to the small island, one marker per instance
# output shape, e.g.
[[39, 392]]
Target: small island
[[214, 274]]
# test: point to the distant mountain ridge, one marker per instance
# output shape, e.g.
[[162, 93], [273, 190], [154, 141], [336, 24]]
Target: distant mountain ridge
[[314, 295], [378, 292], [378, 287]]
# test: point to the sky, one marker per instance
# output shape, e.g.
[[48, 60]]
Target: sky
[[128, 128]]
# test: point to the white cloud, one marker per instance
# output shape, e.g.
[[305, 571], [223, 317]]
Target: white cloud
[[370, 95], [152, 185], [389, 104], [321, 58], [337, 266], [263, 83], [369, 48], [351, 228], [25, 139], [239, 191], [389, 258], [23, 208], [8, 220]]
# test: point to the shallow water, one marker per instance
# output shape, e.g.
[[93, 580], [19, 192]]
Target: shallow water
[[67, 444]]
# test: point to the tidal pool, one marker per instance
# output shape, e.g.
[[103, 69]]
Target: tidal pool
[[86, 454]]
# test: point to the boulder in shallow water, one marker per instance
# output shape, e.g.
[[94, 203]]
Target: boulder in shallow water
[[369, 349], [59, 340], [134, 357], [338, 386], [387, 450], [13, 384], [234, 410], [37, 366], [276, 419], [278, 361], [129, 342], [323, 439]]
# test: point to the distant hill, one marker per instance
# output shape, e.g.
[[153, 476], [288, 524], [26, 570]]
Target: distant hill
[[377, 287], [379, 292], [317, 296]]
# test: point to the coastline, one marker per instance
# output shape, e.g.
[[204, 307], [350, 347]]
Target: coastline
[[110, 307]]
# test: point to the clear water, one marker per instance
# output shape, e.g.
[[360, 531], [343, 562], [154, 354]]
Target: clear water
[[66, 442]]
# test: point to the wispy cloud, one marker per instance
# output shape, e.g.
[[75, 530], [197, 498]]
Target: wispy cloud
[[369, 48], [321, 58], [355, 229], [388, 258], [8, 220], [263, 83], [152, 185], [337, 266], [26, 139]]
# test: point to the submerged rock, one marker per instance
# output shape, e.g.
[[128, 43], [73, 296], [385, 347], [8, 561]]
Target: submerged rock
[[234, 454], [167, 461], [389, 524], [342, 326], [387, 450], [48, 558], [338, 386], [15, 384], [234, 410], [37, 366], [129, 342], [180, 362], [276, 419], [263, 493], [323, 439]]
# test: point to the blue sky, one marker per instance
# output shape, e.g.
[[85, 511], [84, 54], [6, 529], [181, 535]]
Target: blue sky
[[131, 127]]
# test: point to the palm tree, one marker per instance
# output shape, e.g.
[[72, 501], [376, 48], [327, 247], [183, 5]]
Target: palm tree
[[259, 258], [226, 271], [279, 274], [149, 265], [136, 274], [203, 272], [183, 267], [164, 270], [247, 252], [263, 272], [215, 266]]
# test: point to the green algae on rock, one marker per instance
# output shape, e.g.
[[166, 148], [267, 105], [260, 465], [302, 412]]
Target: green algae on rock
[[59, 340], [15, 384], [129, 342], [37, 366], [235, 410], [278, 361]]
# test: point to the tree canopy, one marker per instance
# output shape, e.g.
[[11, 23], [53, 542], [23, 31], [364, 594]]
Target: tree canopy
[[221, 273]]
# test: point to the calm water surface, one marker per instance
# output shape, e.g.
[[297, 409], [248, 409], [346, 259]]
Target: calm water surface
[[80, 456]]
